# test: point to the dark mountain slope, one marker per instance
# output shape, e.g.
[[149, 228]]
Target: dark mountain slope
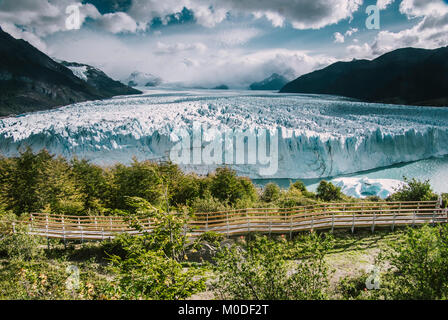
[[404, 76], [99, 80], [31, 81], [274, 82]]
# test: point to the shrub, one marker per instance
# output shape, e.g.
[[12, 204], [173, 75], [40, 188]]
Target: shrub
[[414, 190], [211, 237], [271, 192], [417, 267], [259, 270], [327, 191], [209, 204], [150, 275], [294, 198], [46, 280], [299, 185], [20, 245], [226, 186], [444, 200], [353, 287]]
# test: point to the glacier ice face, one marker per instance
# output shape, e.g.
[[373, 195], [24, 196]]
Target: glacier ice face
[[319, 136], [365, 187]]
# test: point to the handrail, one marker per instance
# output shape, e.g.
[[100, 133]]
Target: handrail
[[244, 221]]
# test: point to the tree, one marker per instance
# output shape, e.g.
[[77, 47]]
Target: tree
[[327, 191], [21, 179], [226, 186], [90, 182], [271, 192]]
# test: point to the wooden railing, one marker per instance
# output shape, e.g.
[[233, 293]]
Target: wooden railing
[[258, 220]]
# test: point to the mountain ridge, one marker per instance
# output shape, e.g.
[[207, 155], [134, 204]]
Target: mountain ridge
[[409, 76], [32, 81]]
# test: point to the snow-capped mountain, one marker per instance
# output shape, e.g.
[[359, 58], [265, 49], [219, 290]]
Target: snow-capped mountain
[[142, 79], [99, 80]]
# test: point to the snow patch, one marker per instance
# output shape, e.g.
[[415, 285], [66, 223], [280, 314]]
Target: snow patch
[[80, 72]]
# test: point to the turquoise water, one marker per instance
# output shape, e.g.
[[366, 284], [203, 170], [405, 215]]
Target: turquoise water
[[435, 170]]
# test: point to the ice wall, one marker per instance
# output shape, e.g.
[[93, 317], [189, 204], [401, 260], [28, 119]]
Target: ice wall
[[316, 136]]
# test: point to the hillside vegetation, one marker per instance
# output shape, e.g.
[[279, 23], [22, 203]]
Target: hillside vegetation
[[165, 264]]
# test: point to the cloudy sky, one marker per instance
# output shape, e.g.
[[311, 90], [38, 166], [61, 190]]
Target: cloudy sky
[[233, 42]]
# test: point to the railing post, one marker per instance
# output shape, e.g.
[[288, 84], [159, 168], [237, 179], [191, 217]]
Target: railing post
[[353, 223], [290, 228], [413, 219], [228, 226], [312, 221], [332, 223], [270, 226], [373, 222], [46, 224], [63, 231], [13, 227], [206, 223], [393, 222], [248, 224], [110, 224]]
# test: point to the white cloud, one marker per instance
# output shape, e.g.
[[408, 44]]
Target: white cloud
[[118, 22], [350, 32], [188, 58], [34, 19], [302, 14], [383, 4], [430, 30], [338, 37], [419, 8]]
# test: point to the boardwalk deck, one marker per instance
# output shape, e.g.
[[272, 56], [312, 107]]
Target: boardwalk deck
[[258, 220]]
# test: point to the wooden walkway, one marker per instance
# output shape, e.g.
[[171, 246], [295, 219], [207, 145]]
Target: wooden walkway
[[262, 220]]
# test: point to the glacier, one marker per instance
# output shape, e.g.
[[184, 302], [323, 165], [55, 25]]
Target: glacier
[[364, 187], [318, 135]]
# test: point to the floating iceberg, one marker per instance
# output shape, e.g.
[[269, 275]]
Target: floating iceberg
[[365, 187], [318, 136]]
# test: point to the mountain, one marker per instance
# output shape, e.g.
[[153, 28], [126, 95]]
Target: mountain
[[274, 82], [405, 76], [32, 81], [221, 87], [142, 79], [99, 80]]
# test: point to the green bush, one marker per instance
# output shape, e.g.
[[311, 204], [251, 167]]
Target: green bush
[[46, 280], [444, 200], [294, 198], [209, 204], [271, 192], [414, 190], [211, 237], [227, 187], [327, 191], [417, 267], [259, 270], [299, 185], [353, 287], [20, 245]]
